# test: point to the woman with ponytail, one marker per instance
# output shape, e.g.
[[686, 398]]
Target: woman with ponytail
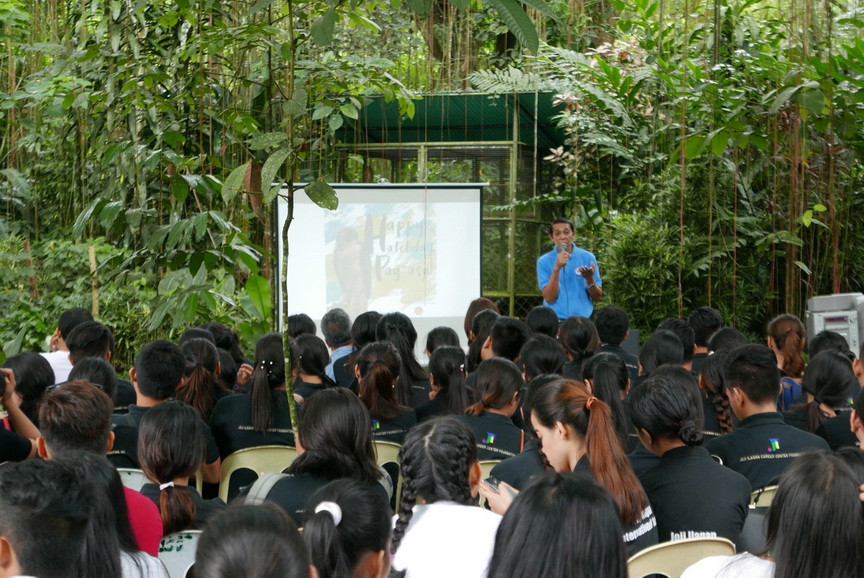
[[347, 531], [413, 386], [580, 340], [377, 373], [311, 363], [829, 385], [201, 389], [608, 379], [450, 394], [440, 530], [786, 338], [691, 494], [715, 401], [498, 385], [171, 449], [576, 433]]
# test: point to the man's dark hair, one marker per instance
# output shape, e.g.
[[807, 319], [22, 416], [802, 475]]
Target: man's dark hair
[[828, 341], [76, 416], [196, 333], [542, 319], [753, 370], [508, 336], [684, 332], [704, 321], [96, 370], [612, 324], [557, 220], [46, 507], [336, 327], [89, 339], [299, 324], [71, 318], [159, 367]]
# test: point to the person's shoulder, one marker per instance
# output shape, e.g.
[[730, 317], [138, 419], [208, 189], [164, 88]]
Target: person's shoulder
[[583, 253]]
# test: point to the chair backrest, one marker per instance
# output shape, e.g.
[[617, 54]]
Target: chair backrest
[[752, 536], [259, 459], [177, 552], [763, 497], [672, 558], [388, 453], [486, 470], [132, 478]]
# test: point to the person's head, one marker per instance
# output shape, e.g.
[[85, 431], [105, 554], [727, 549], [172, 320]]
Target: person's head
[[475, 307], [377, 370], [71, 318], [662, 347], [560, 525], [299, 324], [336, 327], [561, 231], [613, 324], [786, 337], [363, 331], [439, 337], [447, 373], [225, 339], [227, 377], [347, 530], [541, 354], [751, 374], [816, 516], [828, 379], [711, 380], [46, 511], [481, 325], [543, 320], [608, 379], [438, 462], [578, 337], [171, 445], [96, 370], [159, 368], [684, 332], [570, 423], [497, 387], [664, 408], [253, 542], [856, 418], [506, 338], [33, 374], [704, 321], [726, 339], [398, 330], [312, 358], [202, 367], [75, 417], [90, 339], [530, 393], [334, 437], [268, 375], [828, 341], [196, 333]]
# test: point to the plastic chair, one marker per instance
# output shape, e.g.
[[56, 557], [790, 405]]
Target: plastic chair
[[672, 558], [763, 497], [177, 552], [132, 478], [259, 459], [388, 453], [486, 469], [752, 535]]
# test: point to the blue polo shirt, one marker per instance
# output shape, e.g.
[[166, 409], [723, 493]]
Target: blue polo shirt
[[573, 298]]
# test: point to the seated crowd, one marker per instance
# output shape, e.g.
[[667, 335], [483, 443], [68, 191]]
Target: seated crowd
[[591, 452]]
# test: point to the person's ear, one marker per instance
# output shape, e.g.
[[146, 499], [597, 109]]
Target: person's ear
[[475, 474], [771, 342], [855, 424], [218, 371], [133, 377], [374, 564], [41, 448], [588, 384], [110, 445], [858, 369], [627, 389], [108, 355], [561, 430], [8, 559], [432, 380], [645, 438], [486, 350], [357, 371], [313, 572]]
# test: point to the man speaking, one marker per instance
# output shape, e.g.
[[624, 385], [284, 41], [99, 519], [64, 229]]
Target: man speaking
[[569, 277]]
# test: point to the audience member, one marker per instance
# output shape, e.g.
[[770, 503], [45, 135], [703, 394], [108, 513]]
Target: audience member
[[613, 327], [481, 325], [687, 336], [336, 327], [201, 388], [725, 340], [580, 340], [92, 339], [540, 355], [786, 338], [543, 320], [475, 307], [300, 324], [97, 370], [33, 374], [828, 341], [715, 400], [196, 333], [856, 422], [450, 394], [439, 337], [608, 380], [310, 364], [226, 340], [829, 386], [413, 386], [506, 339], [58, 357], [762, 445], [377, 371], [661, 348], [704, 321], [362, 334], [20, 444], [498, 385]]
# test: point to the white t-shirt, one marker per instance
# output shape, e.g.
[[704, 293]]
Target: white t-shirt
[[448, 540], [744, 565], [142, 565], [59, 361]]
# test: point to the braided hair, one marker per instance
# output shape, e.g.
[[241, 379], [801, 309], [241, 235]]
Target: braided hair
[[711, 380], [436, 461]]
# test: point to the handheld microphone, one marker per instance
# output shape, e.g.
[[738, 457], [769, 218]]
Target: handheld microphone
[[562, 247]]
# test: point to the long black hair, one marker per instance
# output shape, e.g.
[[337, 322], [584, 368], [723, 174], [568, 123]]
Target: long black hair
[[447, 366], [609, 378], [662, 347], [398, 330], [540, 355], [666, 408], [378, 364], [267, 376], [828, 378]]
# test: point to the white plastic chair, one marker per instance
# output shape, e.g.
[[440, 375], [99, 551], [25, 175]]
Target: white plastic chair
[[177, 552], [260, 459], [672, 558], [132, 478], [763, 497]]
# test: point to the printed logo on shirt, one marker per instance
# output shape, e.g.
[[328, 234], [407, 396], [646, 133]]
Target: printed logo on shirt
[[376, 425], [489, 439], [774, 445]]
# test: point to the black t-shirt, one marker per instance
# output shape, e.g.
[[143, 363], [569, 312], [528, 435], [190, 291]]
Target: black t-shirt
[[519, 469], [761, 448], [394, 430], [698, 360], [642, 460], [711, 425], [204, 509], [124, 454], [231, 424], [837, 431], [125, 396], [421, 389], [630, 360], [695, 497], [497, 438], [434, 407], [13, 447], [306, 390], [343, 371]]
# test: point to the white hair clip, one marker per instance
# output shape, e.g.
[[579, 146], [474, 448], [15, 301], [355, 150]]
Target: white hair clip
[[331, 508], [166, 485]]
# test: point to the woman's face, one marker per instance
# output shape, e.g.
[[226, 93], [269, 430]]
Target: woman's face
[[553, 444]]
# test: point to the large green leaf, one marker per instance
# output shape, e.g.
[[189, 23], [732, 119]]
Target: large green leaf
[[518, 23], [322, 28], [234, 183], [542, 7], [322, 194], [272, 166], [258, 291], [812, 100]]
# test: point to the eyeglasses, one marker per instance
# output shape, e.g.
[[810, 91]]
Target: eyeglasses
[[51, 388]]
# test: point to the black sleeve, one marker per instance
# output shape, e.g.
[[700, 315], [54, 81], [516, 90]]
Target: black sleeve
[[13, 447], [212, 448]]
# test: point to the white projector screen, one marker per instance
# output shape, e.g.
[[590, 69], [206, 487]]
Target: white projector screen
[[413, 248]]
